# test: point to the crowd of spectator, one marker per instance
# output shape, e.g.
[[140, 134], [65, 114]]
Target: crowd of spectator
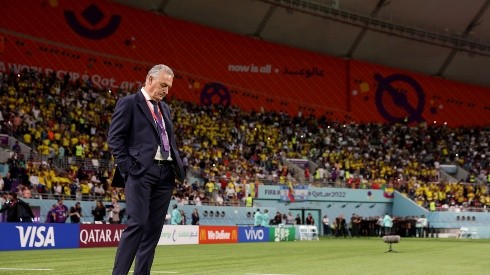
[[231, 150]]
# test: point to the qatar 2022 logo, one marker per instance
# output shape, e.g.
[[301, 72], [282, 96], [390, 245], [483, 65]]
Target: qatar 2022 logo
[[215, 94], [90, 23], [399, 97]]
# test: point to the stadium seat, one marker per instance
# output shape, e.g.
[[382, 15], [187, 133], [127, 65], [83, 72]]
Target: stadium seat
[[308, 233]]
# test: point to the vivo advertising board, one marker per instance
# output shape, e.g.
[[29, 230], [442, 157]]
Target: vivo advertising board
[[253, 234], [179, 234], [26, 236]]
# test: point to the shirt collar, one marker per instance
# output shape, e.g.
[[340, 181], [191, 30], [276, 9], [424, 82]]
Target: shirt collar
[[145, 94]]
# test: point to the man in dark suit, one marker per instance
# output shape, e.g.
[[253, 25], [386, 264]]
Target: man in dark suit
[[142, 141]]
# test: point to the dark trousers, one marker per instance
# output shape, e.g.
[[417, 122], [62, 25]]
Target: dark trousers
[[387, 230], [326, 230], [147, 200], [342, 230], [354, 231]]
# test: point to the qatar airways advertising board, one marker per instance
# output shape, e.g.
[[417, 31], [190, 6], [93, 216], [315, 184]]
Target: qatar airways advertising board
[[100, 235]]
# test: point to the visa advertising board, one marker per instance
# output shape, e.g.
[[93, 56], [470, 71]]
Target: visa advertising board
[[26, 236]]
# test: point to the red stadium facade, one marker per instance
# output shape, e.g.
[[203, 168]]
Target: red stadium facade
[[113, 46]]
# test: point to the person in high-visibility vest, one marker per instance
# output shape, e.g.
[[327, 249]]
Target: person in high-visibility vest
[[432, 206], [317, 174], [79, 151], [249, 201]]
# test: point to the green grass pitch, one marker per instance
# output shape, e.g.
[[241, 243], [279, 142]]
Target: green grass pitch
[[327, 256]]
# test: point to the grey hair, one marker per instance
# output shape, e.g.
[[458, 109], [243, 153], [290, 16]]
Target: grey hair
[[157, 69]]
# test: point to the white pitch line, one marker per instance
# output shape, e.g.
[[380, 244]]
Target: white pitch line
[[26, 269], [265, 274]]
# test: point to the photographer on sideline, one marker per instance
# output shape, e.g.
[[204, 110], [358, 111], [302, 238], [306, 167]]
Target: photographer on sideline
[[17, 210]]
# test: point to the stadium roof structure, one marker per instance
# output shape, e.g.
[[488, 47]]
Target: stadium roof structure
[[444, 38]]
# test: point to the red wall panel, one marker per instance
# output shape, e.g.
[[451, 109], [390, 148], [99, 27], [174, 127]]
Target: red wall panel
[[114, 45], [385, 94]]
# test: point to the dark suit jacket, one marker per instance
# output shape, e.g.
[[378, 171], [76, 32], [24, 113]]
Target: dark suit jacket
[[133, 136], [117, 179]]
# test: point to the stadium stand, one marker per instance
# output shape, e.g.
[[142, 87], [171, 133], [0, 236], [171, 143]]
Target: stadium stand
[[62, 128]]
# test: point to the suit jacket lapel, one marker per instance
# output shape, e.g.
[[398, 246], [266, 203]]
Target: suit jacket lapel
[[145, 109]]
